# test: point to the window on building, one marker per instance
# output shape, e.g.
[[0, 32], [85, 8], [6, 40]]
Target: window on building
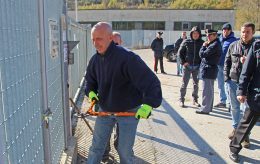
[[119, 25], [186, 26], [159, 26], [138, 25], [148, 25], [199, 24], [177, 26], [217, 25], [208, 26]]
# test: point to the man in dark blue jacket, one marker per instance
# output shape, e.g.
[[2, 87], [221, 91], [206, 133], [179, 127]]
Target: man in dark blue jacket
[[157, 47], [248, 90], [121, 82], [210, 54], [226, 38]]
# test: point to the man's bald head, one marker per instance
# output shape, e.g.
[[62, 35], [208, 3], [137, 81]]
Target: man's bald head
[[101, 35], [102, 25]]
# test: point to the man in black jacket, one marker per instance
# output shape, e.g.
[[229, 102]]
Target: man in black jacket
[[248, 91], [121, 82], [234, 60], [157, 47], [210, 54], [190, 59]]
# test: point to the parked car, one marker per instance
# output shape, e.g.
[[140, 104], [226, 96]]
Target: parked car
[[169, 54]]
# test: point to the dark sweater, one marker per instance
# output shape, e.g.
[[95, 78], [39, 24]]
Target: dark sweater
[[249, 81], [122, 80]]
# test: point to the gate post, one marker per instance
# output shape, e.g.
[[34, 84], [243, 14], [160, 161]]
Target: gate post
[[44, 100]]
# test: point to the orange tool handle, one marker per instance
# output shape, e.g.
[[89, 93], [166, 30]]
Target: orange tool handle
[[119, 114]]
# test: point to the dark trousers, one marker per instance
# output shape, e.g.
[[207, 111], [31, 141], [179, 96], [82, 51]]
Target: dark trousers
[[156, 59], [187, 71], [244, 127]]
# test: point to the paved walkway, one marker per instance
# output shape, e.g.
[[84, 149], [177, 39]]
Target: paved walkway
[[178, 135]]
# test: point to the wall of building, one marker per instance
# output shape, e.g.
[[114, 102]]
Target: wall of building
[[167, 16]]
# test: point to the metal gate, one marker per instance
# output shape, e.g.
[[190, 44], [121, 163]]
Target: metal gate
[[32, 108]]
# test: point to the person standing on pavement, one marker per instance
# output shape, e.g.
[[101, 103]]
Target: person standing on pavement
[[176, 48], [248, 91], [226, 38], [190, 59], [157, 47], [234, 60], [116, 37], [210, 54], [121, 82]]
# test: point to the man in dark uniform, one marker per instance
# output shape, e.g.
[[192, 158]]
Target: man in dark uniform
[[157, 47], [248, 90], [210, 53]]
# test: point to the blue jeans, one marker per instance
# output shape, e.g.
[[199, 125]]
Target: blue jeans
[[179, 66], [221, 84], [102, 131], [236, 108]]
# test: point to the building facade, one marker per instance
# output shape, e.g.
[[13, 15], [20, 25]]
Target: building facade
[[170, 20]]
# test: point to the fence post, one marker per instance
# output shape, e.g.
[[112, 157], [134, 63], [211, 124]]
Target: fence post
[[65, 83], [44, 101]]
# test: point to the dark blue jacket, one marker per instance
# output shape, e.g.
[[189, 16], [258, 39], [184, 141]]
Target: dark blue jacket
[[209, 59], [157, 47], [249, 81], [122, 80], [225, 42]]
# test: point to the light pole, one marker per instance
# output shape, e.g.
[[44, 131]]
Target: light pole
[[76, 10]]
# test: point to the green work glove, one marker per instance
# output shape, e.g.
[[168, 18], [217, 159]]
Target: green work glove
[[144, 111], [92, 96]]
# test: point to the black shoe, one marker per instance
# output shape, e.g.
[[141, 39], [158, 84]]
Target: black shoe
[[181, 104], [195, 102], [234, 157], [201, 112], [220, 105], [164, 72]]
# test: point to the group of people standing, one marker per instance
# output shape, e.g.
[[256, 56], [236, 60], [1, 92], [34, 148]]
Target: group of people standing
[[235, 64], [120, 81]]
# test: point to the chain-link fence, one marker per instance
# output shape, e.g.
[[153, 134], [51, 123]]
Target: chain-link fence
[[31, 79]]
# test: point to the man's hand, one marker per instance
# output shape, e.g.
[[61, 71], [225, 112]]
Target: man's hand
[[144, 111], [92, 96], [185, 64], [241, 99], [243, 59]]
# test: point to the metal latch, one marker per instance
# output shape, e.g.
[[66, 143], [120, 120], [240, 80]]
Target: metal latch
[[47, 116]]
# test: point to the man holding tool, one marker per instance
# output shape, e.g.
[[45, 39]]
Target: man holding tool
[[121, 82]]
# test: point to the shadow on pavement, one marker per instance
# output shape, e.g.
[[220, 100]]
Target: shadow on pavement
[[204, 150]]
